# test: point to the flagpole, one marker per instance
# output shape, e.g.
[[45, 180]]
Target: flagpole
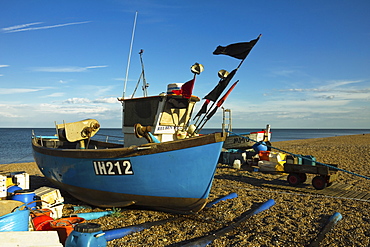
[[206, 120], [216, 52], [187, 109], [218, 105], [208, 111]]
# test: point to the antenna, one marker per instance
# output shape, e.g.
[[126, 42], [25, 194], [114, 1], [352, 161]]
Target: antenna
[[129, 56]]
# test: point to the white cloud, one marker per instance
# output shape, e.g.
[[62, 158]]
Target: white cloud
[[67, 69], [3, 66], [76, 101], [18, 90], [110, 100], [95, 67], [53, 95], [20, 28], [335, 84]]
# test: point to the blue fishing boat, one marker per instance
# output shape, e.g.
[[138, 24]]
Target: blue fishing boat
[[164, 163], [173, 176]]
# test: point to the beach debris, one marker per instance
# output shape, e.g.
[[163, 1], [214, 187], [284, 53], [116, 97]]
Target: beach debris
[[332, 221], [204, 241], [229, 196]]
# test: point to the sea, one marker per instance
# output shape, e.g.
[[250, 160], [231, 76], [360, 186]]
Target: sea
[[15, 143]]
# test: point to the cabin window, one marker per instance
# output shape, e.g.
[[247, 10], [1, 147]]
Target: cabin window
[[141, 111]]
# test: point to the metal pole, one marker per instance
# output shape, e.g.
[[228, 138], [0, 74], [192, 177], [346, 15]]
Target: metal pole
[[129, 56]]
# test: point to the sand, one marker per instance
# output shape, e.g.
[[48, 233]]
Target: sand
[[295, 220]]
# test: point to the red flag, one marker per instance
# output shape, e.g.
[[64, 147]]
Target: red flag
[[222, 100], [187, 89]]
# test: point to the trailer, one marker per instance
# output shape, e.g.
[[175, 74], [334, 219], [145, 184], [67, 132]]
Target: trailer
[[326, 175]]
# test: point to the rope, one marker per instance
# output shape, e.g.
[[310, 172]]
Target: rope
[[298, 194], [297, 155]]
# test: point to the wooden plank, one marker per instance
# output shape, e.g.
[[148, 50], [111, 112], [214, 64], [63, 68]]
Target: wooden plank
[[362, 195], [366, 197], [30, 239], [351, 194]]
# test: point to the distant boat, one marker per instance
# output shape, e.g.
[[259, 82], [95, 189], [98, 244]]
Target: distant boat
[[242, 140]]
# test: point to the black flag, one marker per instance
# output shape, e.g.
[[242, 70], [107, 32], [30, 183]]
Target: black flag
[[237, 50], [203, 109], [222, 84]]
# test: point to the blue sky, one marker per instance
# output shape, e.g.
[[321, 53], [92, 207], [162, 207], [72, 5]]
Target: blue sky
[[66, 60]]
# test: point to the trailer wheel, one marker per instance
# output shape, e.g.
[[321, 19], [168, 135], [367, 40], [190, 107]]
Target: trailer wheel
[[302, 177], [294, 179], [319, 182]]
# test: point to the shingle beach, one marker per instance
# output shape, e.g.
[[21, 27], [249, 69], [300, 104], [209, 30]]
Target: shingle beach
[[296, 219]]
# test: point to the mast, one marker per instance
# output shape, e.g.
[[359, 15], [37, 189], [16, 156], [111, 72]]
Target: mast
[[129, 56]]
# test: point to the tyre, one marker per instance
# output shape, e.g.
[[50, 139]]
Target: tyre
[[319, 182], [294, 179]]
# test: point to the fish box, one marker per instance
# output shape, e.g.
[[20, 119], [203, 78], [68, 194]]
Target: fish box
[[3, 187], [277, 157], [229, 157], [48, 196], [269, 166], [308, 160], [290, 159], [22, 179], [57, 211]]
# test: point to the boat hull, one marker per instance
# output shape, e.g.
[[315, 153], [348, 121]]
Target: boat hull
[[245, 141], [172, 176]]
